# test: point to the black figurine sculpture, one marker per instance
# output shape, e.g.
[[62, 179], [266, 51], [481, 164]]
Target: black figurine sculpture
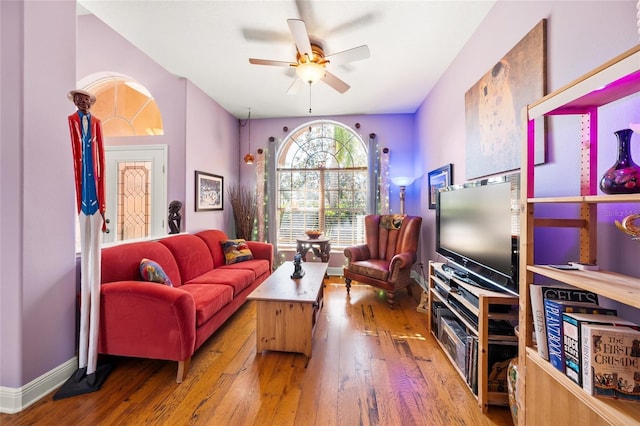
[[297, 267], [174, 217]]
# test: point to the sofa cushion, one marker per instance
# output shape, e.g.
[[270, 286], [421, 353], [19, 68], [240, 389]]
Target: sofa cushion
[[191, 253], [375, 268], [209, 299], [258, 266], [122, 262], [237, 279], [152, 272], [236, 251], [212, 238]]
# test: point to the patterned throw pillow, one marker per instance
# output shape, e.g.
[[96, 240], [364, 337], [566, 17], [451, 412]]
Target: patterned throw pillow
[[236, 251], [152, 272], [392, 221]]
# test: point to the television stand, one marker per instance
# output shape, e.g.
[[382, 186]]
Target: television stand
[[470, 278], [478, 338]]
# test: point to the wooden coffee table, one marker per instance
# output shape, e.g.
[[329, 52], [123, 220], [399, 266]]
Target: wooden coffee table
[[288, 309]]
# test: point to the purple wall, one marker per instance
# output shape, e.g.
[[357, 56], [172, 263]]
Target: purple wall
[[211, 147], [580, 37], [199, 133], [38, 260], [393, 131]]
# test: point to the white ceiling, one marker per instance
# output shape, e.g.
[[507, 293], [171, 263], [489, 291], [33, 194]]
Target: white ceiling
[[412, 42]]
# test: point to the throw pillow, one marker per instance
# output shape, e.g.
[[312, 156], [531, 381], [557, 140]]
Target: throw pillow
[[236, 251], [392, 221], [152, 272]]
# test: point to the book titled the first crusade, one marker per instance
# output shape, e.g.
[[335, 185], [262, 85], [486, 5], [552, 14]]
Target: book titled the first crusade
[[611, 361]]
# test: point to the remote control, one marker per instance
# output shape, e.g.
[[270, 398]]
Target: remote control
[[585, 266]]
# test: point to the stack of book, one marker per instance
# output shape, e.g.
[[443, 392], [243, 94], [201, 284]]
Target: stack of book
[[589, 343]]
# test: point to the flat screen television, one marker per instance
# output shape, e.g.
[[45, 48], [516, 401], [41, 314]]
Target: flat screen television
[[477, 231]]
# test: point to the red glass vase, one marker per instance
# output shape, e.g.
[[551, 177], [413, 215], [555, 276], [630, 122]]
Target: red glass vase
[[624, 176]]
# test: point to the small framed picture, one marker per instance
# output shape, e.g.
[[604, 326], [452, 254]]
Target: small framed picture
[[439, 178], [209, 191]]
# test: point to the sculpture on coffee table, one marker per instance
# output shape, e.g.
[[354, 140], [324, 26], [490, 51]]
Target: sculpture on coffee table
[[297, 267]]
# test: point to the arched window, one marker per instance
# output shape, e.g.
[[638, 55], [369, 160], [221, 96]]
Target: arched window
[[322, 183], [125, 106]]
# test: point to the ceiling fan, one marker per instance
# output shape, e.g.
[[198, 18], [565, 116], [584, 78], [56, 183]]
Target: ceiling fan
[[311, 62]]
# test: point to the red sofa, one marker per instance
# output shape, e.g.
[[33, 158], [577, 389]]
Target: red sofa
[[150, 320]]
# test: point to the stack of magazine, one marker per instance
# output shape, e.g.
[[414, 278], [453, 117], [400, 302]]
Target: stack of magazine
[[462, 346]]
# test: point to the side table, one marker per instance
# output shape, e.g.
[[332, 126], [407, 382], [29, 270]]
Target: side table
[[321, 247]]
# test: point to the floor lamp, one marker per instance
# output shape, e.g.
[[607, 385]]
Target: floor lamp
[[402, 182]]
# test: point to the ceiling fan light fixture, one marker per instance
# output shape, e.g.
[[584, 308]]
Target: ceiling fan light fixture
[[310, 72]]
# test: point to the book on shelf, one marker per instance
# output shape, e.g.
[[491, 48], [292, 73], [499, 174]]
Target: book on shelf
[[454, 340], [572, 327], [467, 359], [538, 293], [473, 368], [611, 361], [553, 310]]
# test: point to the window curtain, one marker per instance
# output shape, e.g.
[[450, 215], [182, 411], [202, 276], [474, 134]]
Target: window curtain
[[261, 185], [270, 188], [378, 177], [384, 181]]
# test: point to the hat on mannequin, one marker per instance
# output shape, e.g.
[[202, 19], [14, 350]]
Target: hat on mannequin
[[71, 94]]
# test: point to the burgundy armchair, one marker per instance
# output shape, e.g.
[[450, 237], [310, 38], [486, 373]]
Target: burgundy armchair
[[386, 259]]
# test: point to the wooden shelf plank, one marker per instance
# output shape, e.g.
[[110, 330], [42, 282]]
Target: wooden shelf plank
[[617, 198], [618, 78], [618, 287], [615, 411]]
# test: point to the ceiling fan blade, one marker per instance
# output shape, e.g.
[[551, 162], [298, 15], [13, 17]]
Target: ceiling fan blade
[[265, 36], [295, 87], [300, 36], [305, 11], [270, 62], [349, 55], [360, 21], [335, 82]]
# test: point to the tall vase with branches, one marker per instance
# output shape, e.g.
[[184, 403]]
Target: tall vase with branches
[[243, 202]]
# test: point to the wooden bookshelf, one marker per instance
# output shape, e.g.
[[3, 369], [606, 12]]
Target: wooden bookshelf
[[547, 396]]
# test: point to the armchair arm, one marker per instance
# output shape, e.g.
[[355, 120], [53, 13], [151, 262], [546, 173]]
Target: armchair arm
[[401, 262], [356, 253], [261, 250], [147, 320]]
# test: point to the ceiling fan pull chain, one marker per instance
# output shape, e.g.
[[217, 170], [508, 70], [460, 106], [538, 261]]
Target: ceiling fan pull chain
[[309, 97]]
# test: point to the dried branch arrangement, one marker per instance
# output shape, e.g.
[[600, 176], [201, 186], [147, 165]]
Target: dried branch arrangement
[[243, 203]]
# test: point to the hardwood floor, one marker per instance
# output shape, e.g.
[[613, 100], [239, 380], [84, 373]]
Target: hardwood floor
[[370, 366]]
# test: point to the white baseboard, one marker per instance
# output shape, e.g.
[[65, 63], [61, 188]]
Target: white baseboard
[[420, 280], [14, 400], [415, 275], [334, 271]]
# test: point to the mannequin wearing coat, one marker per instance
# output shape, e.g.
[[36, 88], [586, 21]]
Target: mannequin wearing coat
[[88, 160]]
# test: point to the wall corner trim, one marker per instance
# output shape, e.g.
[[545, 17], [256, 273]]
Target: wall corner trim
[[14, 400]]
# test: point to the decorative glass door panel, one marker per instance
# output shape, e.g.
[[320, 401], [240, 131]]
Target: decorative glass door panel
[[134, 200]]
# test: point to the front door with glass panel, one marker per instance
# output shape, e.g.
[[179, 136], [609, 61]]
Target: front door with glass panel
[[136, 192]]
